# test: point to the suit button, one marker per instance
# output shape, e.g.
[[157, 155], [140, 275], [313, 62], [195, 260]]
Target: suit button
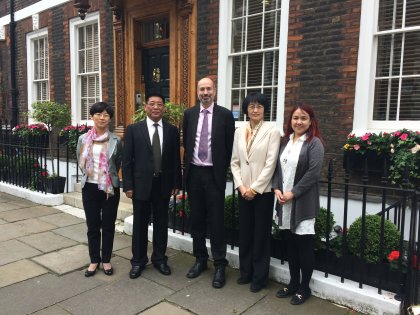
[[247, 163]]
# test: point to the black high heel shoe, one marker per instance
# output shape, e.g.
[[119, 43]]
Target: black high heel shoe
[[89, 273], [109, 271]]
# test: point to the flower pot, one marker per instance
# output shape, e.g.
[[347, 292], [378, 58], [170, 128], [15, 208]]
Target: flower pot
[[356, 162], [55, 185]]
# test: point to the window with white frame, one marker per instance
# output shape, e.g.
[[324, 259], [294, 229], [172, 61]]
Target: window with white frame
[[397, 75], [254, 52], [86, 78], [38, 67]]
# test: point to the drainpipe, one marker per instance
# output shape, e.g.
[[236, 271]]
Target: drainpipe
[[13, 89]]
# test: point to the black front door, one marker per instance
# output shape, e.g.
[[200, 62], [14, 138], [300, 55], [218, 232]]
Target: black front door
[[156, 70]]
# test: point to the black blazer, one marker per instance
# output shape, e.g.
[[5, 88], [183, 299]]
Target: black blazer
[[137, 163], [222, 131]]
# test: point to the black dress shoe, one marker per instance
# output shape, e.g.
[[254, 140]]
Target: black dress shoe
[[219, 277], [197, 269], [243, 280], [89, 273], [285, 292], [163, 268], [135, 271], [254, 288]]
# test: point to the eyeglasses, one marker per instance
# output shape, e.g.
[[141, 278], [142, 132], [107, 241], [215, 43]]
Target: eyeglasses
[[153, 104], [255, 106], [101, 115]]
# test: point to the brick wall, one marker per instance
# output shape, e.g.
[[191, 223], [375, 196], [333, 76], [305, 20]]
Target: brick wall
[[207, 38], [57, 22], [321, 64]]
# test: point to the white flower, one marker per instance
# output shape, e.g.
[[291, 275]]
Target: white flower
[[415, 149]]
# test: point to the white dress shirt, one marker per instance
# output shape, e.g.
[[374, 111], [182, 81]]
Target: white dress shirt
[[152, 128]]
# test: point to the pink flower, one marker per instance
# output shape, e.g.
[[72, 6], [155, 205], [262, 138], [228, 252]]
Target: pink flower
[[397, 133], [351, 135], [404, 137], [356, 147], [369, 142], [366, 136]]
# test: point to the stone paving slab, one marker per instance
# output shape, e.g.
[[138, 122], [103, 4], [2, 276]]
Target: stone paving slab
[[14, 250], [6, 206], [19, 271], [22, 228], [179, 264], [23, 203], [61, 219], [27, 213], [65, 260], [270, 304], [52, 310], [167, 309], [47, 241], [126, 252], [76, 232], [38, 293], [2, 221], [121, 297], [121, 241], [201, 298]]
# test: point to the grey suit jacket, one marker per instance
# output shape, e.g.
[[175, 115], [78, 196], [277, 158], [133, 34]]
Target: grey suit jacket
[[114, 158], [306, 183]]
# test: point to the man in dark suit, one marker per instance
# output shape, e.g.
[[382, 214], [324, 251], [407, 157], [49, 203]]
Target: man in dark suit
[[151, 173], [208, 139]]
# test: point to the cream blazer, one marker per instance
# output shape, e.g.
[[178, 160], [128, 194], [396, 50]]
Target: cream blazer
[[255, 169]]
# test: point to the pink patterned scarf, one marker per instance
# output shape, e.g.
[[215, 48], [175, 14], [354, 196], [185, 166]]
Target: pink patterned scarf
[[86, 159]]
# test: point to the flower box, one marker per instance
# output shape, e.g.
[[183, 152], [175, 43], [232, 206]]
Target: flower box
[[375, 163]]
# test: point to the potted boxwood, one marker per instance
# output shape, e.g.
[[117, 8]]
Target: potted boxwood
[[55, 116]]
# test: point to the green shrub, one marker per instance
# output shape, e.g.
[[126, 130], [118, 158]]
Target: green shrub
[[231, 221], [321, 227], [372, 239]]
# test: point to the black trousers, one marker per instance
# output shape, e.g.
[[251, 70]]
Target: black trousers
[[255, 220], [101, 213], [158, 205], [207, 204], [300, 250]]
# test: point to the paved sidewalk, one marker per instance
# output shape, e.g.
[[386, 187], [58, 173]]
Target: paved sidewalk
[[43, 255]]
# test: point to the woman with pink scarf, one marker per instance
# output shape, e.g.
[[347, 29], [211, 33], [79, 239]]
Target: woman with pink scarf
[[99, 158]]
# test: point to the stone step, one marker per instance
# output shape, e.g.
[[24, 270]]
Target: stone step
[[74, 199]]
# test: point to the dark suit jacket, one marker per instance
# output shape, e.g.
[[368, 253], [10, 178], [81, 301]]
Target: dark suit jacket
[[137, 164], [222, 131]]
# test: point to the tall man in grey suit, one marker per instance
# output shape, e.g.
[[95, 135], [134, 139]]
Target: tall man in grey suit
[[151, 173], [208, 138]]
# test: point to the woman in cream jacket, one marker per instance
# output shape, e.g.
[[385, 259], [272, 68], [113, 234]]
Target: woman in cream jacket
[[255, 151]]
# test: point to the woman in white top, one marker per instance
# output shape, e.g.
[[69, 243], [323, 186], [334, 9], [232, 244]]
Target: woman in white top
[[254, 155], [99, 157], [296, 186]]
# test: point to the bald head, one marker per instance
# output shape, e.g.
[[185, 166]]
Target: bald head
[[206, 92]]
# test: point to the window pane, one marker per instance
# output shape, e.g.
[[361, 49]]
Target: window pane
[[238, 35], [254, 32], [410, 99], [412, 16], [254, 69], [269, 29], [390, 14], [385, 106], [387, 45], [239, 8], [269, 62], [239, 71], [412, 53], [255, 6]]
